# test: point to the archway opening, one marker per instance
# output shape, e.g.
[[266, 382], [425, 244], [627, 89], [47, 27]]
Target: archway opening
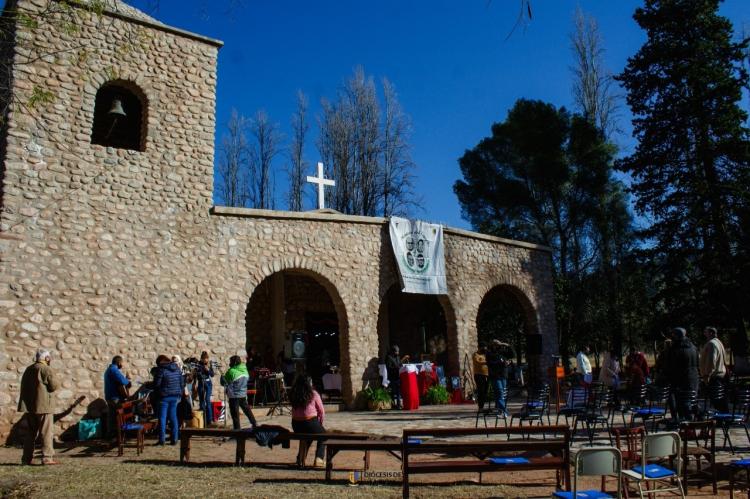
[[297, 301], [505, 314], [423, 326]]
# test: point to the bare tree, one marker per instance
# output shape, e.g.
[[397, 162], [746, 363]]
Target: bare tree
[[234, 163], [335, 147], [366, 147], [297, 166], [266, 145], [397, 168], [364, 122], [593, 85]]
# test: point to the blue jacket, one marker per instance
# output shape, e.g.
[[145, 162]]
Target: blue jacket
[[168, 380], [113, 380]]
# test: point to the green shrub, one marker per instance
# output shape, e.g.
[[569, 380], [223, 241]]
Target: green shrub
[[379, 394], [437, 395]]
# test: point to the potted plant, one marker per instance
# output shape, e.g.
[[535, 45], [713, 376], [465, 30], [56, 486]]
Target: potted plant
[[437, 395], [378, 399]]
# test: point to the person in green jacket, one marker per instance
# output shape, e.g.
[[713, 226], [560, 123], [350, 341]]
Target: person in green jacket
[[234, 382]]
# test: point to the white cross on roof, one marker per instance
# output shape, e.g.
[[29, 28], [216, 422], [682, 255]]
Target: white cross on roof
[[322, 182]]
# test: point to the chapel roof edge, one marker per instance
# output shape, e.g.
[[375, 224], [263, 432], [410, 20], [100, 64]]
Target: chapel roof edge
[[327, 216]]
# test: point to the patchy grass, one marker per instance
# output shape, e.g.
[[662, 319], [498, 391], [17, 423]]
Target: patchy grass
[[81, 478]]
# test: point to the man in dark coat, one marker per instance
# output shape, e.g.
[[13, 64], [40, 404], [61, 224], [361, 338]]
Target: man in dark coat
[[682, 371], [393, 366]]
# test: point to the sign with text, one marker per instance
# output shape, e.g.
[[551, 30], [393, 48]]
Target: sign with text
[[419, 251]]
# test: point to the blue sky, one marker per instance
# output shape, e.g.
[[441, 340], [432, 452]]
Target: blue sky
[[453, 68]]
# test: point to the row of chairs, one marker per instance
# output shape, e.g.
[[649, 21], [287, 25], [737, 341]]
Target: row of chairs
[[650, 476], [596, 408]]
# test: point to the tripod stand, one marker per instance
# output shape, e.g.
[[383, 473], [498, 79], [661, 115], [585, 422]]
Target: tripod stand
[[281, 406]]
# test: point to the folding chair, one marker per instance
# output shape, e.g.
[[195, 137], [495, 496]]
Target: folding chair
[[737, 418], [575, 406], [536, 406], [630, 443], [703, 435], [599, 399], [492, 410], [656, 410], [657, 446], [594, 461]]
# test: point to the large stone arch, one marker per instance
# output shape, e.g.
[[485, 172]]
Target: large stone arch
[[449, 311], [317, 272], [468, 339]]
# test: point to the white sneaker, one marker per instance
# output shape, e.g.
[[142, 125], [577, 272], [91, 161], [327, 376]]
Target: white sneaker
[[319, 463]]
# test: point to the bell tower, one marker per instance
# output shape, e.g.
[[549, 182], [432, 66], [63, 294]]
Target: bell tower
[[107, 157], [109, 110]]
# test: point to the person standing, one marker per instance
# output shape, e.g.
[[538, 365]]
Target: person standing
[[610, 372], [638, 358], [116, 386], [393, 368], [584, 365], [235, 383], [170, 384], [497, 367], [713, 368], [682, 372], [205, 372], [481, 374], [308, 413], [37, 385]]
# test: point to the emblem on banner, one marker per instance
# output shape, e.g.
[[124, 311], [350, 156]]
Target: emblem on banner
[[417, 250]]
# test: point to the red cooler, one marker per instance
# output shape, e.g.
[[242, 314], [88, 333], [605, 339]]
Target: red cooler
[[409, 388]]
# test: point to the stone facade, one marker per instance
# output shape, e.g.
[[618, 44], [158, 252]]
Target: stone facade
[[109, 251]]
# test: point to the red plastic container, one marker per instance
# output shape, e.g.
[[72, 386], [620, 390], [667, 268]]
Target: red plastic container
[[409, 390], [219, 412]]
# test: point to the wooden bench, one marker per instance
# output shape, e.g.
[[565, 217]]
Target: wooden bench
[[305, 439], [431, 441], [390, 445]]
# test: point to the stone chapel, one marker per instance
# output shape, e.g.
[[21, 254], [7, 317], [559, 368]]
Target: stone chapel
[[111, 242]]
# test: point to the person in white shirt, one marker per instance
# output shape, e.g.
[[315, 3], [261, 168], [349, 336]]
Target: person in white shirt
[[583, 365]]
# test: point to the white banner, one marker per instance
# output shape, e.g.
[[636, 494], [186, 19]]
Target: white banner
[[418, 247]]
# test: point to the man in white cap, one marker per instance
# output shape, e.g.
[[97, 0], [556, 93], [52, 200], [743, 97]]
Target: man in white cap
[[37, 384]]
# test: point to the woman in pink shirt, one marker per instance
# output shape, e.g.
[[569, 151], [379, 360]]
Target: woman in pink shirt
[[308, 413]]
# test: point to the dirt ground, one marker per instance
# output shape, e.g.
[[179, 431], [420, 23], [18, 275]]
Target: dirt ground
[[92, 469]]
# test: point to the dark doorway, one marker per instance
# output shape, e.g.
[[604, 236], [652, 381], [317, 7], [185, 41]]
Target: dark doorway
[[323, 343], [416, 323]]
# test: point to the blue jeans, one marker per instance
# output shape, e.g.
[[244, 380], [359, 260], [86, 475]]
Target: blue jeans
[[168, 408], [498, 386], [205, 402]]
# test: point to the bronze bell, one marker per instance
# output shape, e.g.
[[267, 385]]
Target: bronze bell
[[116, 110]]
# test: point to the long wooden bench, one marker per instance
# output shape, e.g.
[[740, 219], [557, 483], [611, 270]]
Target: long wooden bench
[[555, 452], [333, 447], [305, 439]]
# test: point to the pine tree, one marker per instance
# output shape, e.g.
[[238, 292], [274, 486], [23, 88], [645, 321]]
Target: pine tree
[[690, 167]]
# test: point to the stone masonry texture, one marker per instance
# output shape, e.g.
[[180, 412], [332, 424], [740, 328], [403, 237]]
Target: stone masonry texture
[[110, 251]]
